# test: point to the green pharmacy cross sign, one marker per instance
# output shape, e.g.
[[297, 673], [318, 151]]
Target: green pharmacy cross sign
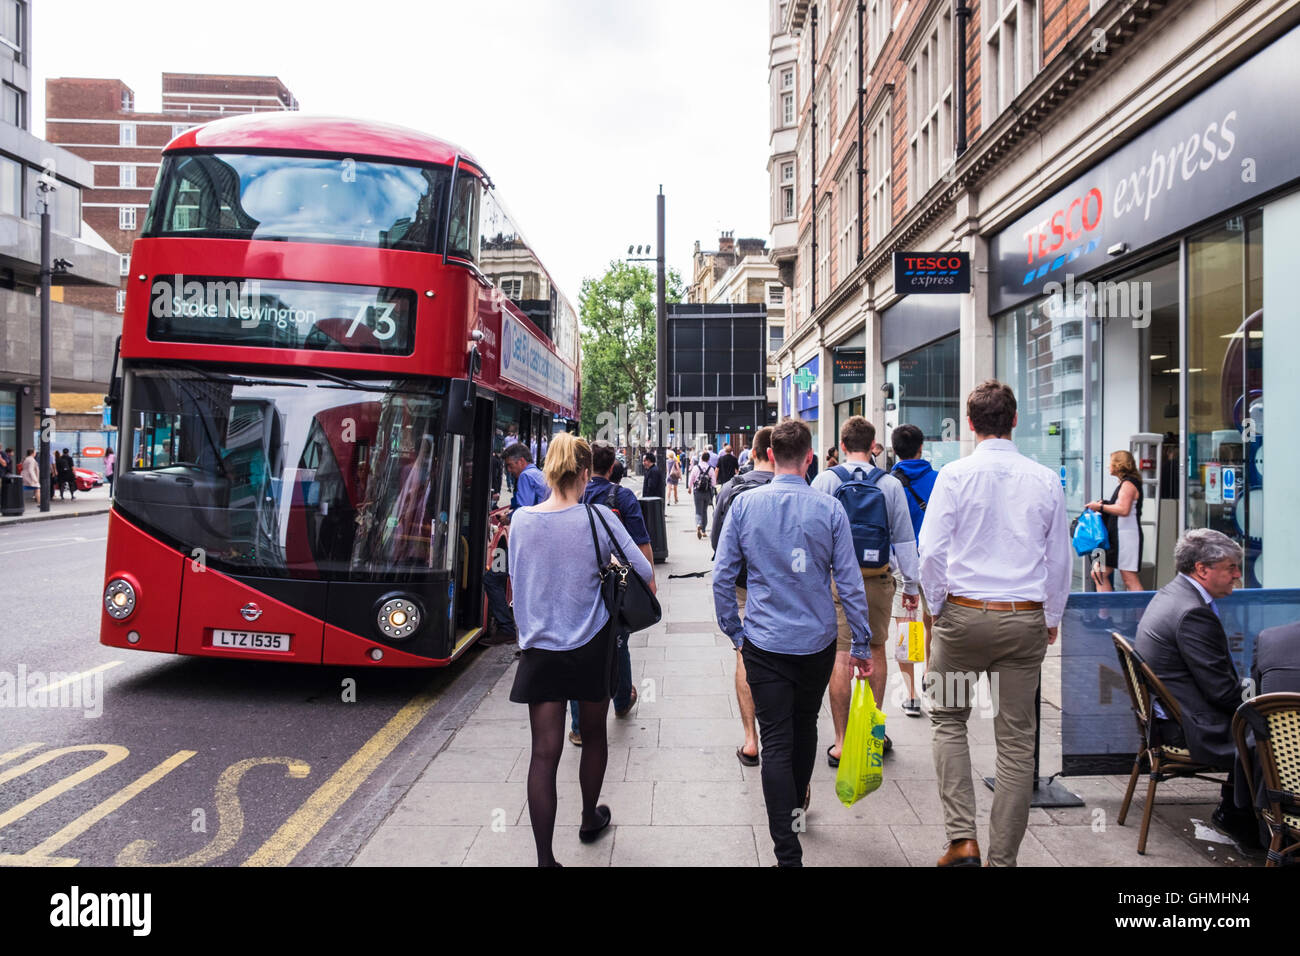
[[804, 379]]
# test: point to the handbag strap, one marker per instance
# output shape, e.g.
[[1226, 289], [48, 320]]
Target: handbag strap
[[595, 545], [612, 540]]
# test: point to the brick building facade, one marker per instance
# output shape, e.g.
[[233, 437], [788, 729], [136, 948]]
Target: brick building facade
[[97, 120], [1082, 119]]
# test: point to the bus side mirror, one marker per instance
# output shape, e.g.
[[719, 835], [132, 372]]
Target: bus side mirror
[[460, 407]]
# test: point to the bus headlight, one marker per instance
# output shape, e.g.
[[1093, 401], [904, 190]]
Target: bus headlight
[[119, 599], [398, 618]]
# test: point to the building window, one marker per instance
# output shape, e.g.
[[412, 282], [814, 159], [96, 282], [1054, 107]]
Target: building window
[[178, 128], [823, 253], [126, 134], [12, 107], [847, 73], [775, 294], [128, 101], [775, 336], [126, 217], [11, 25], [879, 13], [881, 168], [512, 287], [787, 191], [124, 264], [126, 177], [847, 218], [121, 300], [929, 107], [787, 109], [1010, 52], [787, 78], [822, 147]]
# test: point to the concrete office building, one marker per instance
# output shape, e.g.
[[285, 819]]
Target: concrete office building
[[82, 338], [1127, 192]]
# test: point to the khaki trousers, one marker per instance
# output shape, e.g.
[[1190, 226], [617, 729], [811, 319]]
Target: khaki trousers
[[1009, 646]]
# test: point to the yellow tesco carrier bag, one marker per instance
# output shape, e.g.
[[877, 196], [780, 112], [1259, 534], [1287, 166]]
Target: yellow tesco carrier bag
[[910, 643], [861, 759]]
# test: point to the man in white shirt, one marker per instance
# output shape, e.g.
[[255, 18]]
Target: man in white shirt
[[995, 568]]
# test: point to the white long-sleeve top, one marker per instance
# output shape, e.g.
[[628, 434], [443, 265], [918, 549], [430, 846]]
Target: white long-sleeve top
[[995, 530]]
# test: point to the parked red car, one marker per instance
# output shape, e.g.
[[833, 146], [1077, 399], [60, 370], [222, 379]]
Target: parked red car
[[87, 479]]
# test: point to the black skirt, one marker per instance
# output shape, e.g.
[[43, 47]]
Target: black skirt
[[584, 673]]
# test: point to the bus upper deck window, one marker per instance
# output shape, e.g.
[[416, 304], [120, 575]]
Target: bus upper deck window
[[463, 238]]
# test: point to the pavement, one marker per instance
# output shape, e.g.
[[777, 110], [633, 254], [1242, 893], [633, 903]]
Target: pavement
[[679, 796], [93, 502]]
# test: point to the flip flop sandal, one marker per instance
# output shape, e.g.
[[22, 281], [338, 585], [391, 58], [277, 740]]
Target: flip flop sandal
[[746, 759], [833, 761], [590, 836]]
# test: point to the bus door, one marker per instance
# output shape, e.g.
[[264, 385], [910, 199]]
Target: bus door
[[474, 505]]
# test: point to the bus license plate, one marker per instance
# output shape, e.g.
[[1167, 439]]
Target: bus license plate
[[250, 640]]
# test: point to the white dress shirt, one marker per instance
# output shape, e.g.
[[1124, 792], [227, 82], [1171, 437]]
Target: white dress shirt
[[995, 530]]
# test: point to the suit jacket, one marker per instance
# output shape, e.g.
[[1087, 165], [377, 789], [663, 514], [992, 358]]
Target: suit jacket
[[1277, 660], [1183, 641], [653, 483]]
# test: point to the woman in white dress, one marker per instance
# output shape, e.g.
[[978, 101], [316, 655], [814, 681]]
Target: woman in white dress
[[1123, 514]]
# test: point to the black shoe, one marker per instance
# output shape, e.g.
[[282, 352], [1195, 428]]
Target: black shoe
[[498, 637], [889, 745], [1241, 825]]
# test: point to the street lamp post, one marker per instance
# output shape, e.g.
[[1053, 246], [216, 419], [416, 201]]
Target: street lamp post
[[45, 187], [661, 322]]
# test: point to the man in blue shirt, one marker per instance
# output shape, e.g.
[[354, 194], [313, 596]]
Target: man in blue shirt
[[792, 539], [917, 478], [530, 484], [623, 502], [530, 489]]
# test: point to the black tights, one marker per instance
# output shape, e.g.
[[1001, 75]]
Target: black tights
[[547, 721]]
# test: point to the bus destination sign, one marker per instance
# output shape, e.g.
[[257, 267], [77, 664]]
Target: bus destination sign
[[272, 313]]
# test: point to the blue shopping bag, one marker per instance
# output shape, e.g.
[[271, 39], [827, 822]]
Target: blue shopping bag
[[1090, 533]]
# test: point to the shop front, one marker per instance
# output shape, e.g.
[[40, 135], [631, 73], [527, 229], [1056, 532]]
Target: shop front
[[920, 346], [1129, 315], [848, 383]]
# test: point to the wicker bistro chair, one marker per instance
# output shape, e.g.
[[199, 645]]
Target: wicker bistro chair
[[1275, 721], [1166, 762]]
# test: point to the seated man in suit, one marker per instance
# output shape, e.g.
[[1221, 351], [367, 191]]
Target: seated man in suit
[[1182, 639], [1277, 660]]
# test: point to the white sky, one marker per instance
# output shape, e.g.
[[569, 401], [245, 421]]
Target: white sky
[[578, 109]]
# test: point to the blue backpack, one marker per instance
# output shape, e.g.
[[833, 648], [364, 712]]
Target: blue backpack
[[868, 515]]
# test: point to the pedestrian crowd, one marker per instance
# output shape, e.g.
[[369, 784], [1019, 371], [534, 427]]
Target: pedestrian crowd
[[814, 572]]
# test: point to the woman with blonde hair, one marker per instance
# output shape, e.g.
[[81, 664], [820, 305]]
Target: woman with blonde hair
[[567, 651], [1123, 517]]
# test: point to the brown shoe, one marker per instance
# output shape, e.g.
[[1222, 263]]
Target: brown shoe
[[961, 853]]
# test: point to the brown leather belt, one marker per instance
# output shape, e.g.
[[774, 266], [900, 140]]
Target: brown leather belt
[[877, 572], [996, 605]]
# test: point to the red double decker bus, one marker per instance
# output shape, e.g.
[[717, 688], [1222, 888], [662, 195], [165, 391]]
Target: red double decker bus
[[331, 328]]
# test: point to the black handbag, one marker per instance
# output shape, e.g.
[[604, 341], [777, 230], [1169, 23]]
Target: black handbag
[[627, 597]]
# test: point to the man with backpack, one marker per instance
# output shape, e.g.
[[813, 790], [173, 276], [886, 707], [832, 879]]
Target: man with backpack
[[918, 481], [756, 477], [881, 522], [700, 481], [623, 502]]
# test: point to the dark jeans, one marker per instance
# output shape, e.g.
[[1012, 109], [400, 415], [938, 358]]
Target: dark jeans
[[622, 696], [788, 691], [702, 501], [494, 583]]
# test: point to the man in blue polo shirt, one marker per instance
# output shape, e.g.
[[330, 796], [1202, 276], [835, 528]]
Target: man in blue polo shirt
[[530, 489], [623, 502]]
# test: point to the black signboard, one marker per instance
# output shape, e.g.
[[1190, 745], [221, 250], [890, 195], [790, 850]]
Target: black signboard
[[849, 366], [273, 313], [928, 273], [1226, 146]]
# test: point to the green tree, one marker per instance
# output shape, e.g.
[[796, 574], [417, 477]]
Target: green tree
[[617, 313]]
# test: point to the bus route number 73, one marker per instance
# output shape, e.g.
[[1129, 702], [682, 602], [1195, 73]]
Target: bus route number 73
[[384, 328]]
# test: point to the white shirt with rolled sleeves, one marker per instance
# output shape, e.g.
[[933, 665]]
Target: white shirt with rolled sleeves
[[995, 530]]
